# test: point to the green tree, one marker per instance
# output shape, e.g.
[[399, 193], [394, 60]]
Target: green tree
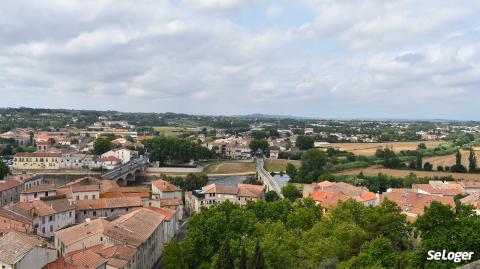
[[291, 192], [419, 161], [304, 142], [428, 166], [376, 254], [4, 170], [314, 163], [422, 146], [291, 170], [225, 259], [472, 162], [271, 196], [257, 261], [242, 262], [257, 144], [102, 145]]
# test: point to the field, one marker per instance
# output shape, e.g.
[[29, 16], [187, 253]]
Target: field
[[231, 168], [368, 149], [278, 165], [449, 160], [373, 171], [173, 131]]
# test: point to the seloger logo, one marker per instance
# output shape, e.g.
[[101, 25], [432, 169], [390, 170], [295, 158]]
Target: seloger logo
[[449, 256]]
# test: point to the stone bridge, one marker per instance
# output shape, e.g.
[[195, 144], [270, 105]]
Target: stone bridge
[[270, 183], [128, 172]]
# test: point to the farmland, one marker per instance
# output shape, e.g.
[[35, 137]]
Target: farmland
[[375, 170], [277, 165], [449, 160], [368, 149]]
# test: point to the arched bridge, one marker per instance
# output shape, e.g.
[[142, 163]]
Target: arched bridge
[[128, 172], [270, 183]]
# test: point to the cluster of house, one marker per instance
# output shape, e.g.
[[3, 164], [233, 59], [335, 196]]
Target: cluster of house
[[53, 158], [86, 223], [411, 201]]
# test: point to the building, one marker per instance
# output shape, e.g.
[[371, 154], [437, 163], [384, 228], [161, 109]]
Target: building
[[21, 251], [36, 160], [21, 136], [170, 225], [470, 186], [215, 193], [141, 230], [10, 192], [440, 188], [125, 155], [473, 200], [47, 216], [17, 221], [80, 192], [106, 207], [274, 152], [413, 203], [37, 192], [162, 189]]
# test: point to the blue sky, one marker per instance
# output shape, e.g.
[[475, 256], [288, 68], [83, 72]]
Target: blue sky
[[321, 58]]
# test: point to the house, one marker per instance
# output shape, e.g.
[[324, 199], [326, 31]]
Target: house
[[473, 200], [37, 192], [413, 203], [80, 192], [21, 222], [328, 199], [170, 226], [440, 188], [274, 152], [125, 155], [106, 207], [141, 230], [10, 192], [48, 216], [21, 251], [215, 193], [110, 162], [21, 136], [162, 189], [36, 160], [28, 180], [470, 186]]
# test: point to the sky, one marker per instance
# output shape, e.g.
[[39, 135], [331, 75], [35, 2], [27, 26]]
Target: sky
[[315, 58]]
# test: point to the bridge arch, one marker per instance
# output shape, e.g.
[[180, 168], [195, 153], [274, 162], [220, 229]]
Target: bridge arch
[[121, 181], [130, 177]]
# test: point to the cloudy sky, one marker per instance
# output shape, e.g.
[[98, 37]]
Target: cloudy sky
[[323, 58]]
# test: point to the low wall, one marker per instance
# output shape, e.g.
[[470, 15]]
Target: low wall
[[158, 170]]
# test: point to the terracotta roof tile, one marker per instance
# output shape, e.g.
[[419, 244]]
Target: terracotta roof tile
[[165, 186]]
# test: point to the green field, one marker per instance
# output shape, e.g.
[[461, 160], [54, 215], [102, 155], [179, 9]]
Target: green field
[[230, 167], [277, 165]]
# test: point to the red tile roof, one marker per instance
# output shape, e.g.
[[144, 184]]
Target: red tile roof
[[165, 186], [38, 154], [328, 199], [9, 184], [105, 203]]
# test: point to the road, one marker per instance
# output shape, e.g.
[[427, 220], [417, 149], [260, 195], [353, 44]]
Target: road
[[182, 231], [270, 181], [128, 167]]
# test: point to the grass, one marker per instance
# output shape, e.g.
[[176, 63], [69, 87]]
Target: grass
[[277, 165], [231, 167], [375, 170], [369, 149]]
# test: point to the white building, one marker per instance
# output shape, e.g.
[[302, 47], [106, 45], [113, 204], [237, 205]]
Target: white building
[[125, 155]]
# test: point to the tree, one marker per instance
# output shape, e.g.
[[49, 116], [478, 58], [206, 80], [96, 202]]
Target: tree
[[258, 134], [257, 261], [304, 142], [225, 259], [458, 167], [102, 145], [271, 196], [422, 146], [390, 159], [314, 163], [472, 161], [291, 192], [257, 144], [242, 263], [291, 170], [376, 254], [252, 180], [4, 170], [428, 166], [418, 161]]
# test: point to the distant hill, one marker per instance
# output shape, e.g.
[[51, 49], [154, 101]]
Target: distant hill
[[267, 116]]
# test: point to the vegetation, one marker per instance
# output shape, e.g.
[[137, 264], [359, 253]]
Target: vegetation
[[102, 145], [176, 150], [190, 182], [4, 170], [304, 142], [257, 144], [252, 180], [291, 192]]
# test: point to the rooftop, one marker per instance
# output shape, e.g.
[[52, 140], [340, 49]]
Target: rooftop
[[165, 186], [15, 245]]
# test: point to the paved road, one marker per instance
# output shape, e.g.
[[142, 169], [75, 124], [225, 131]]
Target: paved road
[[128, 167], [270, 181], [181, 236]]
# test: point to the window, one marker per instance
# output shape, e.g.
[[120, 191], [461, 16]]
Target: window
[[78, 197], [111, 210], [94, 213], [51, 228], [84, 213], [43, 230], [85, 197], [46, 193], [70, 214], [126, 209], [35, 195], [93, 196], [43, 220], [50, 218]]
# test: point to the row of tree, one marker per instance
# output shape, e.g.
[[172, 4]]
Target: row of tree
[[176, 150]]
